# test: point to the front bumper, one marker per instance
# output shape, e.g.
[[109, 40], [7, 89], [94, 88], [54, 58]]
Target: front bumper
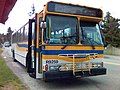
[[69, 74]]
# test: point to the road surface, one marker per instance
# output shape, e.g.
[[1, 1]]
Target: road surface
[[111, 81]]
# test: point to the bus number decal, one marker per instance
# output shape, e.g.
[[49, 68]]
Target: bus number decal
[[51, 61]]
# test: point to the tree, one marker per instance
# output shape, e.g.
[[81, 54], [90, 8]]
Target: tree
[[1, 38], [9, 33], [111, 30], [7, 37]]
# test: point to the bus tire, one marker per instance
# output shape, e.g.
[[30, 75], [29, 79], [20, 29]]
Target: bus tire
[[27, 57], [28, 68]]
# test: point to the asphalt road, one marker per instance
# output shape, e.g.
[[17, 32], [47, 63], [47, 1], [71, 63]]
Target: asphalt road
[[111, 81]]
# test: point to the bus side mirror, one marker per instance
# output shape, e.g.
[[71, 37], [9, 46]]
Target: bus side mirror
[[43, 25], [105, 43], [101, 24]]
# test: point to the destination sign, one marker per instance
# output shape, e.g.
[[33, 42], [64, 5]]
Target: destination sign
[[74, 9]]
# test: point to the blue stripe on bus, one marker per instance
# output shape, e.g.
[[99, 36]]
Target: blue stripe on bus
[[56, 52], [23, 45]]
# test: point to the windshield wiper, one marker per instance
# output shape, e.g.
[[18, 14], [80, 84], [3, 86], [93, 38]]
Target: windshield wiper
[[67, 38], [73, 35]]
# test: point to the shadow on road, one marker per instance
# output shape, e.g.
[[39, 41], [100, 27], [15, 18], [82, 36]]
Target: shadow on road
[[70, 83]]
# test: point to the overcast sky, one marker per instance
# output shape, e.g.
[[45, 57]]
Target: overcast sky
[[19, 15]]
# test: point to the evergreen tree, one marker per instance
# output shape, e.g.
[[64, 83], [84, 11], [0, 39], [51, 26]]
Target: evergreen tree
[[1, 38], [9, 33], [111, 30]]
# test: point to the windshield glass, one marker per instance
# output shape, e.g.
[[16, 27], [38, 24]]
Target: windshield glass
[[61, 30], [90, 33]]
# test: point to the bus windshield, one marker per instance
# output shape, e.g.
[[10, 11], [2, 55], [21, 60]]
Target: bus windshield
[[90, 33], [61, 30]]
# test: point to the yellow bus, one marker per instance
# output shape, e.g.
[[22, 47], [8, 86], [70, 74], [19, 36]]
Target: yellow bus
[[62, 41]]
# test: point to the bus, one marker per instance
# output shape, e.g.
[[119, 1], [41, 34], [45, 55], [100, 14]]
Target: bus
[[62, 41]]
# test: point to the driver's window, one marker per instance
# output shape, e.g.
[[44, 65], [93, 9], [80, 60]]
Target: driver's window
[[61, 30], [91, 33]]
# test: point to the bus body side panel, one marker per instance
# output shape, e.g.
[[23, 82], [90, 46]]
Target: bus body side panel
[[20, 44], [20, 54]]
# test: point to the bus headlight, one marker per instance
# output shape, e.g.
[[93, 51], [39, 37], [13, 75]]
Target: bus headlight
[[54, 68], [97, 64], [94, 65]]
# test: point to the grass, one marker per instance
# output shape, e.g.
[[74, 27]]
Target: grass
[[8, 80]]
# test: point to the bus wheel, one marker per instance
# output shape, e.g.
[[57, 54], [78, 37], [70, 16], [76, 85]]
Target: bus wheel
[[27, 64]]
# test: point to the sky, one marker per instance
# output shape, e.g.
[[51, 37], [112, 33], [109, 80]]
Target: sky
[[19, 14]]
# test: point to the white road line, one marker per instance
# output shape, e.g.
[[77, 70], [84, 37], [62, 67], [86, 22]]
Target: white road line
[[112, 63]]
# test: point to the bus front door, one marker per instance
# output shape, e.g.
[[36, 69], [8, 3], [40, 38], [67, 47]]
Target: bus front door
[[30, 61], [38, 43], [34, 59]]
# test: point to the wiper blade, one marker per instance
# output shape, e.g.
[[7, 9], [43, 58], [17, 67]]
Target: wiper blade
[[68, 37], [64, 47]]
